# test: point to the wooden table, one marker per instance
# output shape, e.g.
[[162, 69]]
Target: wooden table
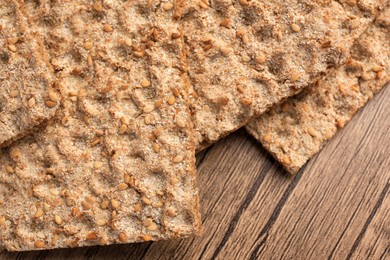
[[338, 206]]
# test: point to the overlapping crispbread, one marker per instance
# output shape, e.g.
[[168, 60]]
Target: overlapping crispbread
[[297, 129], [116, 165], [26, 96], [245, 56]]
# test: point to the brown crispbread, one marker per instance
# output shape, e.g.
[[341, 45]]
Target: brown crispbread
[[246, 56], [117, 163], [297, 129], [25, 80]]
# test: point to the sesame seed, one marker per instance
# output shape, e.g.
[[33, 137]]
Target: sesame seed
[[147, 222], [294, 77], [125, 120], [114, 203], [57, 220], [105, 204], [377, 68], [156, 147], [158, 204], [175, 36], [137, 207], [50, 103], [89, 61], [13, 40], [171, 100], [148, 119], [122, 186], [313, 132], [245, 38], [97, 7], [246, 57], [145, 83], [354, 24], [286, 160], [225, 50], [206, 38], [38, 213], [9, 169], [203, 5], [139, 54], [91, 236], [260, 58], [267, 138], [86, 205], [168, 6], [88, 45], [175, 92], [90, 199], [246, 101], [180, 122], [225, 23], [107, 28], [148, 108], [146, 201], [366, 76], [152, 227], [174, 181], [12, 48], [54, 192], [2, 220], [15, 154], [53, 96], [122, 129], [146, 237], [171, 212], [128, 42], [101, 222], [97, 165], [122, 237], [178, 159], [31, 102], [158, 103], [295, 27], [39, 244], [243, 2], [54, 240]]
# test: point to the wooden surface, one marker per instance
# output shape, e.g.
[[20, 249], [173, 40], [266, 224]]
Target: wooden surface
[[337, 207]]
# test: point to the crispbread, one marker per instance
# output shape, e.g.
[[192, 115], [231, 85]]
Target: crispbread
[[117, 163], [245, 56], [24, 78], [297, 129]]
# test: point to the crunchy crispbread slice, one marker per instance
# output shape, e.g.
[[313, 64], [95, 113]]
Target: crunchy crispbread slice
[[297, 129], [245, 56], [117, 164], [25, 88]]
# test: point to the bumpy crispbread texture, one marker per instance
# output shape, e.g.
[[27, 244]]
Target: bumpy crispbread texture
[[24, 78], [297, 129], [245, 56], [117, 163]]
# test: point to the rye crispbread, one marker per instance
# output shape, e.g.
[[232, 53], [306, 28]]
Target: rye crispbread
[[25, 80], [246, 56], [297, 129], [117, 163]]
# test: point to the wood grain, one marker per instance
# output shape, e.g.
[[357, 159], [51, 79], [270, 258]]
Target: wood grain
[[337, 207]]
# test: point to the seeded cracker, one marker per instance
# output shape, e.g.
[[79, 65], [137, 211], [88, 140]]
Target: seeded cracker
[[245, 56], [296, 130], [26, 98], [117, 163]]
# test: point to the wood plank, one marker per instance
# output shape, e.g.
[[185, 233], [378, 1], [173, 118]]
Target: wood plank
[[333, 199], [373, 241]]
